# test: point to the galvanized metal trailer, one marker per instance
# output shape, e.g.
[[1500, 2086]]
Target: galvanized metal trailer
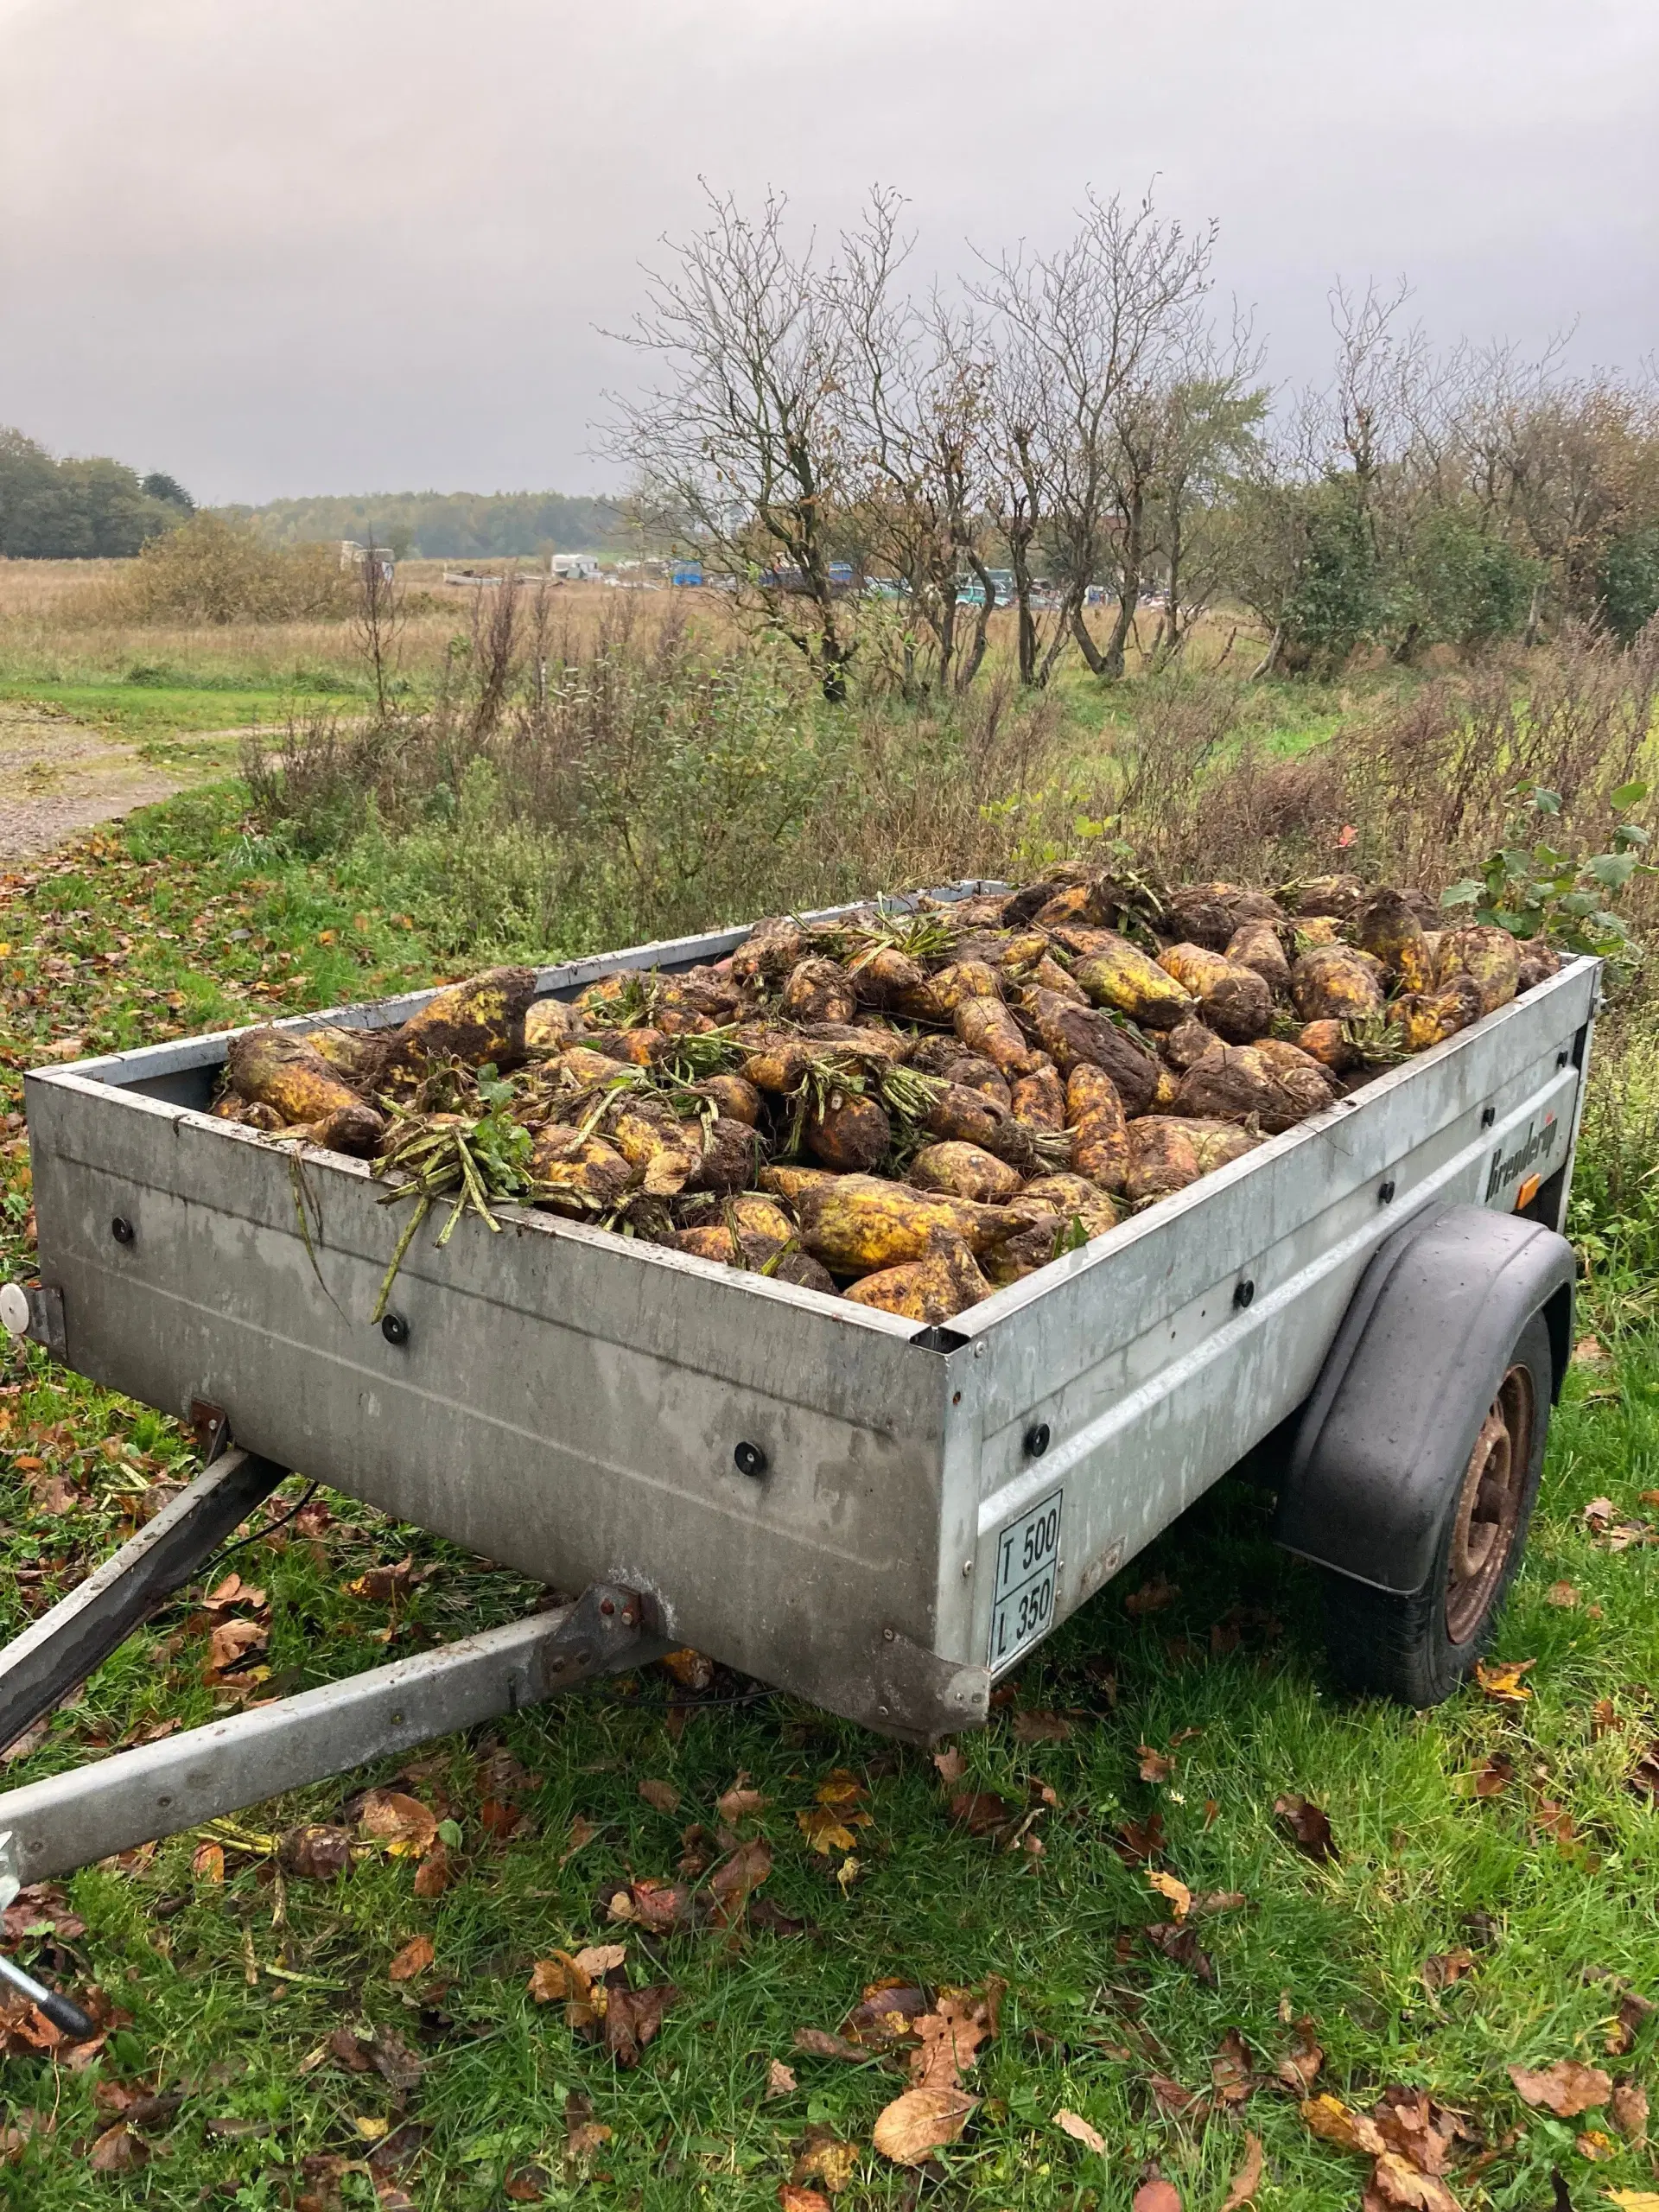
[[878, 1518]]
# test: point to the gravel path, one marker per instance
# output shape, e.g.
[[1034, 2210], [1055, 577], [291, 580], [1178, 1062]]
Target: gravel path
[[59, 776]]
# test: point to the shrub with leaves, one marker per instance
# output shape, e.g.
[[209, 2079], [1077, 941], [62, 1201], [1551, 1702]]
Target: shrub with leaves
[[1538, 890]]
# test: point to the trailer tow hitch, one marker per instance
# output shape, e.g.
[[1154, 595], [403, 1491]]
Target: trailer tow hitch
[[162, 1789]]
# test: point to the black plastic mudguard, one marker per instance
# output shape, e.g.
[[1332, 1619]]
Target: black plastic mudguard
[[1387, 1432]]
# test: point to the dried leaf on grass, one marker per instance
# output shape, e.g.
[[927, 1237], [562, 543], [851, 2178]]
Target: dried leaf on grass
[[661, 1796], [383, 1584], [1151, 1597], [406, 1827], [1566, 2088], [793, 2199], [913, 2126], [207, 1863], [1396, 2183], [780, 2079], [117, 2151], [1157, 2196], [1501, 1680], [819, 2043], [824, 2157], [1181, 1947], [951, 1764], [1442, 1968], [1242, 2188], [1493, 1775], [981, 1812], [1032, 1728], [1307, 1826], [1300, 2064], [633, 2017], [1232, 2070], [582, 1832], [1180, 1897], [827, 1824], [415, 1958], [1155, 1766], [1627, 2110], [737, 1879], [950, 2036], [1074, 2125], [739, 1802], [1333, 2121]]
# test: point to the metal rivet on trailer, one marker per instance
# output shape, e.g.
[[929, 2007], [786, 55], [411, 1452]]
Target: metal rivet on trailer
[[122, 1230], [749, 1460], [608, 1606], [1244, 1293], [394, 1329], [967, 1568], [1385, 1192], [887, 1636], [1488, 1115], [979, 1348], [1037, 1440]]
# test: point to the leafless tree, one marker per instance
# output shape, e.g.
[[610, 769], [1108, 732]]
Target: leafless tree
[[918, 417], [1092, 318], [741, 449]]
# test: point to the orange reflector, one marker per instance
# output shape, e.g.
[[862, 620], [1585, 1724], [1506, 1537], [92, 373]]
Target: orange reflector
[[1528, 1193]]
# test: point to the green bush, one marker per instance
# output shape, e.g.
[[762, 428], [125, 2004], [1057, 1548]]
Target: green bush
[[208, 570], [1629, 584]]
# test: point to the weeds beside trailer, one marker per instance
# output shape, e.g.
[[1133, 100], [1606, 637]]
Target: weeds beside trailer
[[877, 1517]]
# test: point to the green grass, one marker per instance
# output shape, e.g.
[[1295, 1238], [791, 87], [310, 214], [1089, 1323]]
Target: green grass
[[156, 712], [230, 1994]]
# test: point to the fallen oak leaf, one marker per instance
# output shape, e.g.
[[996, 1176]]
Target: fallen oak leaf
[[1157, 2196], [780, 2079], [1308, 1828], [1032, 1728], [950, 1765], [1074, 2125], [1300, 2064], [914, 2125], [661, 1796], [819, 2043], [1333, 2121], [1181, 1947], [1566, 2088], [1502, 1681], [1232, 2070], [981, 1812], [795, 2199], [1180, 1897], [1155, 1766], [1395, 2182], [633, 2017], [415, 1958], [1627, 2110], [406, 1827], [1242, 2188], [739, 1802]]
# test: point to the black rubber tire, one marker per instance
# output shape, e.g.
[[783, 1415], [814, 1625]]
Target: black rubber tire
[[1384, 1645]]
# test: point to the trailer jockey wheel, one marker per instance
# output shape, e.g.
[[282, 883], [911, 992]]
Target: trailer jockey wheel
[[1420, 1647]]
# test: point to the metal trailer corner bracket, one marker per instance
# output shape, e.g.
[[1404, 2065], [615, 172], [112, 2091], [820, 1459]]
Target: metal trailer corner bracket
[[70, 1820]]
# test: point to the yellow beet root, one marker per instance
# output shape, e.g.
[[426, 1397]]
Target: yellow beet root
[[481, 1021], [1336, 983], [851, 1131], [861, 1223], [776, 1061], [274, 1068], [1100, 1134], [1327, 1043], [737, 1100], [760, 1216], [1538, 962], [1216, 1142], [966, 979], [631, 1048], [1162, 1158], [936, 1288], [576, 1174], [353, 1054], [1074, 1033], [1488, 956], [650, 1137], [1039, 1099], [964, 1171], [819, 990], [1256, 945], [1335, 896], [1123, 977], [791, 1183], [1235, 1000], [883, 975], [986, 1025], [1273, 1083], [1428, 1018], [1316, 929], [550, 1026], [1073, 1198]]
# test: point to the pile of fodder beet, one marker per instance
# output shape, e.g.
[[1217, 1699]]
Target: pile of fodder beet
[[908, 1109]]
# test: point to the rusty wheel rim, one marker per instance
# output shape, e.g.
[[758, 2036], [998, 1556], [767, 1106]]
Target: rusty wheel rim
[[1489, 1505]]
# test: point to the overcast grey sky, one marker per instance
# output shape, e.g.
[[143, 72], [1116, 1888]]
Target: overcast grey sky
[[304, 246]]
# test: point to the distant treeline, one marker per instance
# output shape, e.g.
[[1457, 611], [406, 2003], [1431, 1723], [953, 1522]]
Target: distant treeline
[[70, 510], [441, 525]]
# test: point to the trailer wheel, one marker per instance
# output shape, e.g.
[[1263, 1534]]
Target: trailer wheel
[[1421, 1645]]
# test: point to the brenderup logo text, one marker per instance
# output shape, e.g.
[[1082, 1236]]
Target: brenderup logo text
[[1507, 1165]]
